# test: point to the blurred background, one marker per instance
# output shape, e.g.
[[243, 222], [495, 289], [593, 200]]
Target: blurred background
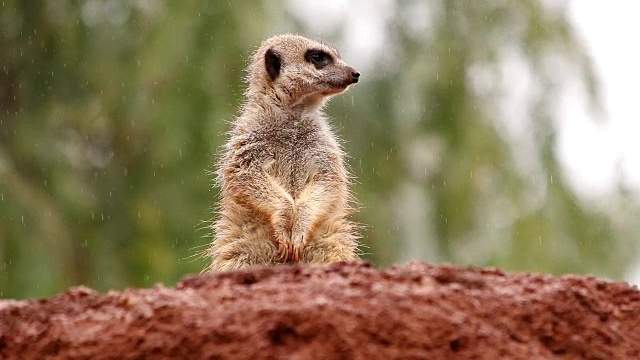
[[482, 133]]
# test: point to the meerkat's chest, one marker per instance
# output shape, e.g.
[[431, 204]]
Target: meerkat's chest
[[296, 140], [295, 154]]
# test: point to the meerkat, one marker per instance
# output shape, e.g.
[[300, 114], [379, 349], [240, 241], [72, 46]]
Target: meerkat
[[284, 185]]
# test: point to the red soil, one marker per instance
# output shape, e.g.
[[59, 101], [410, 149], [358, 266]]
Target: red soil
[[341, 311]]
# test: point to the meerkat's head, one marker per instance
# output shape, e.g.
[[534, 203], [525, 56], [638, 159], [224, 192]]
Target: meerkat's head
[[298, 71]]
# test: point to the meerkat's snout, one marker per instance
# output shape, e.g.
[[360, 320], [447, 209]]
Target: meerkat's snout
[[355, 76], [345, 76]]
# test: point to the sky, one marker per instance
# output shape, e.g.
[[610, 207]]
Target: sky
[[595, 150]]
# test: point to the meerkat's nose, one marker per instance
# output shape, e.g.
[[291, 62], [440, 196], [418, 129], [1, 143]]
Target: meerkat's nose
[[355, 76]]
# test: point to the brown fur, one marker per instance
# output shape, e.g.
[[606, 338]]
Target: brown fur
[[284, 185]]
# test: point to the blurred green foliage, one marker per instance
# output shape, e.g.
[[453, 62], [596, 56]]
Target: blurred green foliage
[[111, 113]]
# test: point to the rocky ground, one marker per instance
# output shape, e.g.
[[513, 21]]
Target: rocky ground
[[341, 311]]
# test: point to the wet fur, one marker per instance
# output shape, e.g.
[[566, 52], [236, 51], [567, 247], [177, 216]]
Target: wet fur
[[284, 186]]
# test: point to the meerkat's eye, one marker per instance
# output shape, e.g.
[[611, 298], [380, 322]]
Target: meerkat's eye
[[318, 58]]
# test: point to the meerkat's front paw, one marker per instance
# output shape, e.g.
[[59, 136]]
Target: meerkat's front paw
[[281, 225], [285, 250], [298, 244], [283, 241]]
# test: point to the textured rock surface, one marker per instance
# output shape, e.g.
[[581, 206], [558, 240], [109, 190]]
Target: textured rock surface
[[342, 311]]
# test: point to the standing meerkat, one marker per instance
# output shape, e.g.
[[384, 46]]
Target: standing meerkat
[[284, 186]]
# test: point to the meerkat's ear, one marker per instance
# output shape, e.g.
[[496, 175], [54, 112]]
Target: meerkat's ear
[[272, 63]]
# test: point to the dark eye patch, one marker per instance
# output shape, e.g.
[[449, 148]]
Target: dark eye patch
[[318, 58]]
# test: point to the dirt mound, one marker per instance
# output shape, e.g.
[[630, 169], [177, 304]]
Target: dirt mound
[[342, 311]]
